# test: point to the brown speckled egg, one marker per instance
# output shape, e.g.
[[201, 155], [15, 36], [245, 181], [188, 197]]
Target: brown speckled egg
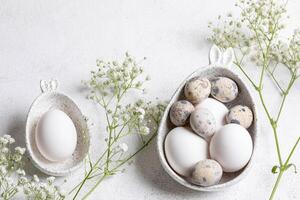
[[203, 122], [240, 115], [207, 173], [180, 112], [197, 89], [224, 89]]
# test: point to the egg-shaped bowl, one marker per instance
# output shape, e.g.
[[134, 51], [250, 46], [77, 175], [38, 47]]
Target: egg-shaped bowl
[[244, 98], [54, 100]]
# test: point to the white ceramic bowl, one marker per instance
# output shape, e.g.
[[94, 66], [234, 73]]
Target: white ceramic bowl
[[244, 98], [51, 99]]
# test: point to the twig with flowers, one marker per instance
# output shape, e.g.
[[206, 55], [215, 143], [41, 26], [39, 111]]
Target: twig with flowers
[[11, 166], [109, 85], [256, 35]]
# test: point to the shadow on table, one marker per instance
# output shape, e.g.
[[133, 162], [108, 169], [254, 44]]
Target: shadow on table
[[16, 128], [149, 166]]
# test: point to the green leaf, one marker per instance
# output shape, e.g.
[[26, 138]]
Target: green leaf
[[275, 169]]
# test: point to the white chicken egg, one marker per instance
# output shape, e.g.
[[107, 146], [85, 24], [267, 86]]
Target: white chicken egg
[[232, 147], [56, 136], [184, 149], [218, 110]]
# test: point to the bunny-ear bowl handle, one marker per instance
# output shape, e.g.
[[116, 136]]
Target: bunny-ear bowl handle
[[48, 86], [221, 58]]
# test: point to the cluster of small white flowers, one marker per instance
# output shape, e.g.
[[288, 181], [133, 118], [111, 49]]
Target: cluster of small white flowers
[[261, 17], [6, 139], [115, 78], [10, 162], [11, 165], [261, 24], [109, 85], [256, 35], [288, 53], [35, 189]]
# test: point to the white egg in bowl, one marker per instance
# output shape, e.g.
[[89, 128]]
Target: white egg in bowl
[[217, 68], [57, 136]]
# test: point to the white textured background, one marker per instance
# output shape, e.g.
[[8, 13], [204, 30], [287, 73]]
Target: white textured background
[[62, 39]]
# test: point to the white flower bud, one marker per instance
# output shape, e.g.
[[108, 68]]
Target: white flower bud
[[36, 178], [23, 180], [21, 172], [3, 141], [51, 179], [20, 150], [11, 140], [123, 147], [141, 111], [5, 150], [145, 130], [3, 170]]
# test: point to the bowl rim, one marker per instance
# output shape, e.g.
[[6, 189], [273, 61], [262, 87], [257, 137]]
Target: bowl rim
[[161, 137], [36, 163]]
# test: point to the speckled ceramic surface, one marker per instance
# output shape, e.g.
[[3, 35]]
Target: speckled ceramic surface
[[51, 99], [244, 97]]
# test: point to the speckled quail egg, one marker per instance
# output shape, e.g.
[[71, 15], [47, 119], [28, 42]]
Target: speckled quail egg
[[180, 112], [207, 173], [240, 115], [224, 89], [218, 109], [203, 122], [197, 89]]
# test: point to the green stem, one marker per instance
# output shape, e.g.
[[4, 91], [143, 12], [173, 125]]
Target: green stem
[[94, 187], [87, 176], [119, 165], [292, 152], [285, 93], [247, 76], [276, 185], [82, 183], [277, 144], [276, 81]]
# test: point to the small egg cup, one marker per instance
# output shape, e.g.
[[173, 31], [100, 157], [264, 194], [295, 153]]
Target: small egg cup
[[219, 66], [48, 100]]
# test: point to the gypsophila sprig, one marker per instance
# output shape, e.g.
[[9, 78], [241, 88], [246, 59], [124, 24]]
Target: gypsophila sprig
[[109, 86], [13, 178], [34, 189], [255, 38]]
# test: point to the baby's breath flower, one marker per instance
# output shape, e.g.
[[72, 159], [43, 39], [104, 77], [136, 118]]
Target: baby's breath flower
[[145, 130], [20, 150], [3, 141], [11, 140], [109, 86], [123, 147], [3, 170], [4, 150], [51, 180], [141, 111], [256, 36], [36, 178], [21, 172], [22, 180], [6, 136], [17, 157]]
